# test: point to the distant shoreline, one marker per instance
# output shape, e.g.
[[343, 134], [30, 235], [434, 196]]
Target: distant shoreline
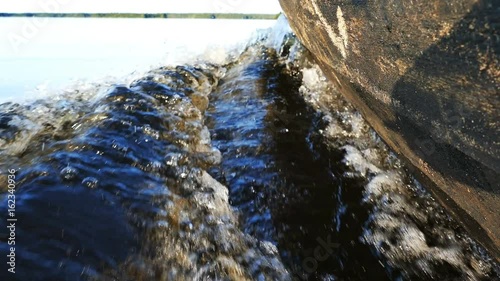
[[146, 16]]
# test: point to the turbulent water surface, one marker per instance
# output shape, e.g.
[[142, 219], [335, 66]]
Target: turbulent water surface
[[256, 169]]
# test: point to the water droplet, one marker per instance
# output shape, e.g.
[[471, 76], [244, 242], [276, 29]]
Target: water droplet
[[69, 173], [90, 182]]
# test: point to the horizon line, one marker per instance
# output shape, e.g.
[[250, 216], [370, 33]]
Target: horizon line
[[247, 16]]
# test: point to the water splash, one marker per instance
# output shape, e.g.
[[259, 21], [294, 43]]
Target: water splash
[[239, 171]]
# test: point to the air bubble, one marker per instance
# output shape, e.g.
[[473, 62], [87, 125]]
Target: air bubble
[[90, 182], [69, 173]]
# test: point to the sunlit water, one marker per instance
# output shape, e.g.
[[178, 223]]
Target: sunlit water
[[243, 163], [37, 55]]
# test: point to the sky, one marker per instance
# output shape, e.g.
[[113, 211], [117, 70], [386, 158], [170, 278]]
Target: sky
[[141, 6]]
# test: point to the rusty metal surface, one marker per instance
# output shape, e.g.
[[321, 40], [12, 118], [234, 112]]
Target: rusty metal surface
[[426, 76]]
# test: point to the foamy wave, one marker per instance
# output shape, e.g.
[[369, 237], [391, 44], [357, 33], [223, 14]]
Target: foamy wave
[[407, 227]]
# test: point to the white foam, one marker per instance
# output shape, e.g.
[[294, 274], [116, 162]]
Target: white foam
[[355, 159], [381, 184], [278, 33], [314, 84], [400, 206], [358, 125]]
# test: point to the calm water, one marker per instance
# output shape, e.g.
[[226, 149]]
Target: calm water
[[241, 163], [49, 54]]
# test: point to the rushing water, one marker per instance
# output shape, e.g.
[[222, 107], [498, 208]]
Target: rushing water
[[256, 169]]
